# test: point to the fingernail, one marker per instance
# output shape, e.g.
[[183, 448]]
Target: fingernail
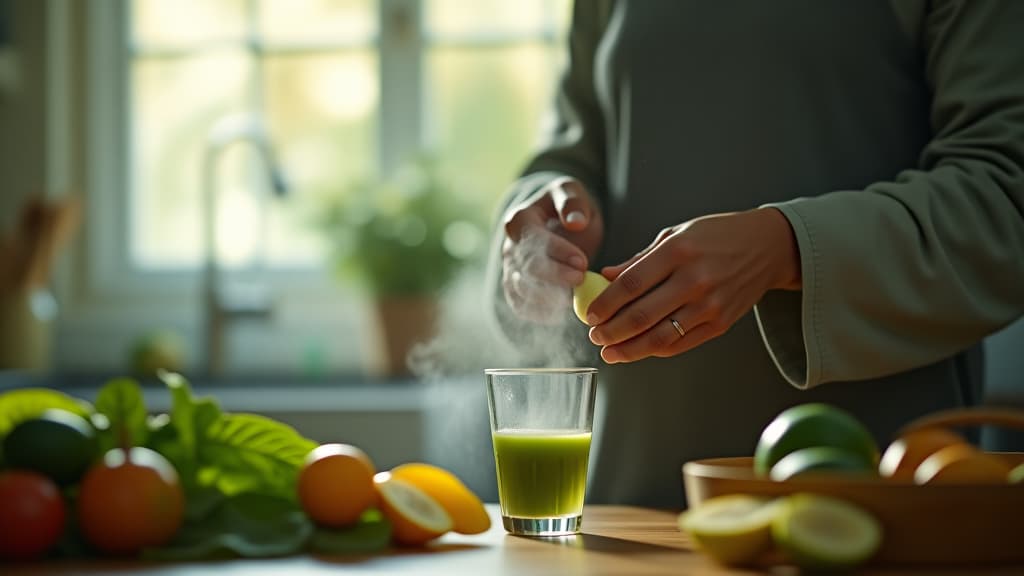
[[592, 319], [596, 338], [577, 262], [575, 216], [611, 355]]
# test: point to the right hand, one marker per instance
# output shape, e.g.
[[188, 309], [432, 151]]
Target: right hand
[[550, 238]]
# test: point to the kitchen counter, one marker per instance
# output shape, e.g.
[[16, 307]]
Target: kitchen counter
[[616, 540]]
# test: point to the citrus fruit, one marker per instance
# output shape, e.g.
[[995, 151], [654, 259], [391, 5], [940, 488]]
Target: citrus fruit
[[582, 295], [733, 529], [58, 444], [335, 485], [906, 453], [810, 425], [824, 532], [1016, 475], [818, 460], [467, 511], [961, 464], [130, 500], [415, 517], [31, 514]]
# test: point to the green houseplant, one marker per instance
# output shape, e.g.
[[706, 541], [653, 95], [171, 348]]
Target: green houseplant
[[405, 239]]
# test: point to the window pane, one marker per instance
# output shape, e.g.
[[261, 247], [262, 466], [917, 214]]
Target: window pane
[[481, 17], [486, 107], [324, 113], [304, 21], [187, 21], [175, 102]]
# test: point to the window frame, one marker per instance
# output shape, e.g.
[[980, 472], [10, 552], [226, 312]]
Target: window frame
[[106, 294]]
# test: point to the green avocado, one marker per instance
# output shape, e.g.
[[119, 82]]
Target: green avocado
[[57, 444]]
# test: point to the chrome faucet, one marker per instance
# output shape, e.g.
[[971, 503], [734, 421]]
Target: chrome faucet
[[222, 303]]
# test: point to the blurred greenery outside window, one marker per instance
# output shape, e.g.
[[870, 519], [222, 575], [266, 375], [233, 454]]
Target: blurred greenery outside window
[[314, 70]]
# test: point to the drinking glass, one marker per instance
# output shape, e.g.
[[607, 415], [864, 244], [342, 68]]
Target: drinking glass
[[541, 421]]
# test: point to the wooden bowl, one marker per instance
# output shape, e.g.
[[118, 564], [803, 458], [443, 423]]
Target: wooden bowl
[[929, 524]]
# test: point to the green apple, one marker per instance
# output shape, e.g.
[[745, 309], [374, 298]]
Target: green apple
[[820, 532], [582, 295], [734, 529]]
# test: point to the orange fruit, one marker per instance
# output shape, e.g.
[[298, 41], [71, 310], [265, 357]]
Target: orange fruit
[[129, 501], [961, 464], [467, 511], [335, 485], [415, 517], [906, 453], [31, 514]]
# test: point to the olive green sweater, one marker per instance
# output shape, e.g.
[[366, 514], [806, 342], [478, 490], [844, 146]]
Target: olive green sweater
[[889, 133]]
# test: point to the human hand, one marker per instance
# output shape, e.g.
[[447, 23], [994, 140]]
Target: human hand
[[705, 274], [549, 239]]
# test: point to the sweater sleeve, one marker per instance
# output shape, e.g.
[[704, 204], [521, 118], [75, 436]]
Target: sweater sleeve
[[573, 142], [910, 271]]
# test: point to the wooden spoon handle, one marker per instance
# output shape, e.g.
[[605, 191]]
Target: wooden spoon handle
[[978, 415]]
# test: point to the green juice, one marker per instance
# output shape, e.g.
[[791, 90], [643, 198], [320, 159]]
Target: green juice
[[541, 473]]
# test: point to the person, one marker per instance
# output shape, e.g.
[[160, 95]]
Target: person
[[796, 201]]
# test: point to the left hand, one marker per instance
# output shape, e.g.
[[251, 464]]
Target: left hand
[[705, 274]]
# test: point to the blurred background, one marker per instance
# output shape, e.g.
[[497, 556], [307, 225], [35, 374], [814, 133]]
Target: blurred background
[[278, 198]]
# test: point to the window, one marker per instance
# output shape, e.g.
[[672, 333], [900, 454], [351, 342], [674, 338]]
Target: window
[[312, 70], [345, 88]]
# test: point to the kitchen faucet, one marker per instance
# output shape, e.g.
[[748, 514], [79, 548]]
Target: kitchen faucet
[[220, 305]]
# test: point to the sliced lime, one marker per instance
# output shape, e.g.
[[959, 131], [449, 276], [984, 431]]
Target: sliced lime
[[824, 532], [733, 529], [1016, 475]]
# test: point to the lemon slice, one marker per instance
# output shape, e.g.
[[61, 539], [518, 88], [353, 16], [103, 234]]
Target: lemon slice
[[733, 529], [822, 532], [1016, 475], [582, 295], [415, 517]]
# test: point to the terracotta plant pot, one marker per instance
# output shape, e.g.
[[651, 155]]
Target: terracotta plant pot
[[403, 322]]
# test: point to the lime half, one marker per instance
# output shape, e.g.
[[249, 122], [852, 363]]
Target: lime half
[[823, 532], [733, 529], [1017, 474]]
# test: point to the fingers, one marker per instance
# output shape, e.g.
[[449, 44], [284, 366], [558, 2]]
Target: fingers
[[571, 203], [663, 339], [641, 315], [646, 273]]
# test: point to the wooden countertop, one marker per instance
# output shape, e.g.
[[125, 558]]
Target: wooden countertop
[[616, 540]]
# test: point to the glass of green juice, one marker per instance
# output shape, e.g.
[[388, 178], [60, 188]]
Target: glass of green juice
[[541, 421]]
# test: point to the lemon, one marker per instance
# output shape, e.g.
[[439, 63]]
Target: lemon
[[821, 532], [961, 464], [810, 425], [734, 529], [818, 460], [415, 517], [582, 295], [906, 453]]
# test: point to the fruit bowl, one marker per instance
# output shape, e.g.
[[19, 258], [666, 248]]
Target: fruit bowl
[[923, 524]]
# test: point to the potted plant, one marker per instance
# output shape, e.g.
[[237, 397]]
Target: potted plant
[[405, 239]]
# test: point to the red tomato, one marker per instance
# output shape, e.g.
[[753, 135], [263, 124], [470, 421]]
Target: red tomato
[[31, 515]]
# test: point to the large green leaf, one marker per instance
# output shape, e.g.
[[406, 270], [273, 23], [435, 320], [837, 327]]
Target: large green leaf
[[190, 418], [248, 452], [249, 525], [121, 401], [372, 534]]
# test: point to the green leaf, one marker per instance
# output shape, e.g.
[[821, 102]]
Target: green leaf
[[189, 419], [372, 534], [120, 400], [248, 525], [248, 452]]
